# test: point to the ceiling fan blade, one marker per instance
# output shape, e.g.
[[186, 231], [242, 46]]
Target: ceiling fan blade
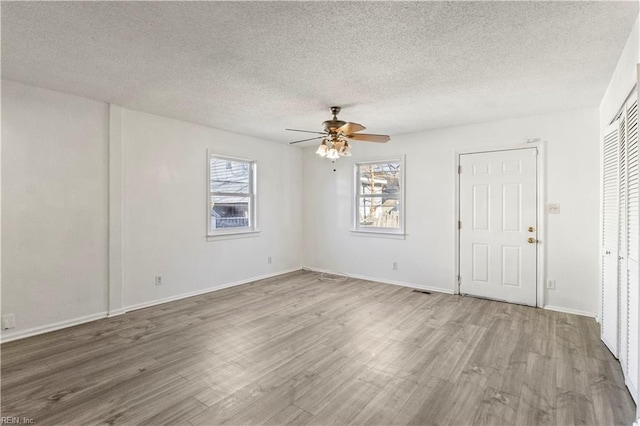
[[304, 140], [369, 138], [349, 128], [306, 131]]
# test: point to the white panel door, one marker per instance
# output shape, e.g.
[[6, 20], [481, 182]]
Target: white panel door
[[609, 324], [498, 215]]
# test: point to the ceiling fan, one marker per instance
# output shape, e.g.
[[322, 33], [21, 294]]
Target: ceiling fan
[[336, 134]]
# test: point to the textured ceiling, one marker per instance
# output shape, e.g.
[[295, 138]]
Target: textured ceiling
[[259, 67]]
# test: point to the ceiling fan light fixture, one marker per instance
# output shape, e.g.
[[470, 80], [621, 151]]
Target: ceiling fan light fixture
[[333, 154], [345, 150], [322, 149]]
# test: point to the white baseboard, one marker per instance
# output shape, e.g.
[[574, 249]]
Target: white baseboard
[[117, 312], [206, 290], [8, 337], [383, 280], [571, 311], [439, 290]]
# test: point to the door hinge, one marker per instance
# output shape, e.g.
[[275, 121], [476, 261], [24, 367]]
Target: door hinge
[[459, 224], [459, 281], [459, 169]]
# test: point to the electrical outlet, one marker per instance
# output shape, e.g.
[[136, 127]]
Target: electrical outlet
[[269, 261], [553, 208], [551, 284], [158, 279], [8, 321], [395, 266]]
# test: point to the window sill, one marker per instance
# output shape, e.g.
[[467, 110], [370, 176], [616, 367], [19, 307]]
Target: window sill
[[378, 234], [233, 235]]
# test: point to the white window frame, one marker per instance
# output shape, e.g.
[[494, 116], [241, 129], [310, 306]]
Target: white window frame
[[251, 194], [372, 230]]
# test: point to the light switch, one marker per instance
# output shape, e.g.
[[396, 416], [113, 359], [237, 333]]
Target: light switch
[[553, 208]]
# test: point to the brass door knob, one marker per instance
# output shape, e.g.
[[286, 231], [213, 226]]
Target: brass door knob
[[531, 240], [531, 229]]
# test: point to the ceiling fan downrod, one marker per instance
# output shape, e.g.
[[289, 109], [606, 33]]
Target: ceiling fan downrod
[[332, 126]]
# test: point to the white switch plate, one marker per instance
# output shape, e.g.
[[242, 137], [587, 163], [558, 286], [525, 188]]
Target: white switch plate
[[553, 208]]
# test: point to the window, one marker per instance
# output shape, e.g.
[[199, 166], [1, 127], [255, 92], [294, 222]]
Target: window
[[232, 204], [379, 188]]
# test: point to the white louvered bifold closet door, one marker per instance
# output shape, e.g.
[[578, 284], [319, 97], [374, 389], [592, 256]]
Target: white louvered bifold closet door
[[622, 241], [632, 243], [610, 216]]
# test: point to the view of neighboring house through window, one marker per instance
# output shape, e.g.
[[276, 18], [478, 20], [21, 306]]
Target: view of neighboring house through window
[[378, 196], [232, 195]]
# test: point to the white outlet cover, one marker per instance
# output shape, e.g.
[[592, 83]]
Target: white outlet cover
[[553, 208], [8, 321]]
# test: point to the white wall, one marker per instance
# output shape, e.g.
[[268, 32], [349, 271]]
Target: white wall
[[54, 206], [55, 209], [426, 257], [165, 209]]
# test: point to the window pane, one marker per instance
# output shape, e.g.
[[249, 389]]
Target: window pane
[[379, 178], [229, 212], [378, 212], [229, 176]]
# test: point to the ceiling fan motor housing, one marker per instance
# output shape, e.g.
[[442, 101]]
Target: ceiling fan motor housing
[[333, 125]]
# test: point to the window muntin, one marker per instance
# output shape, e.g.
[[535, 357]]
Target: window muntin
[[231, 195], [379, 196]]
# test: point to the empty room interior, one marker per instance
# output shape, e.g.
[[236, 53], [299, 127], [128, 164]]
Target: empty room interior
[[314, 213]]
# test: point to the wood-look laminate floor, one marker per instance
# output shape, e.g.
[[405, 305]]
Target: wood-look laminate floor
[[296, 350]]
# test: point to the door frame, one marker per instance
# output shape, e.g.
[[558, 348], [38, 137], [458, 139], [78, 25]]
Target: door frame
[[541, 197]]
